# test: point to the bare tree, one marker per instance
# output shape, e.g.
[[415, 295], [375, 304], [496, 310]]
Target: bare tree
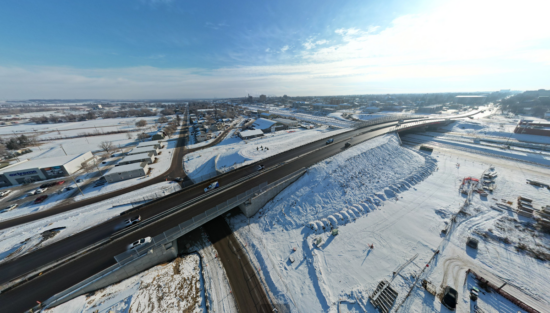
[[141, 123], [143, 136], [87, 167], [106, 146], [162, 119], [3, 150], [129, 135]]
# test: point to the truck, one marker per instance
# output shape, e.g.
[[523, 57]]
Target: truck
[[212, 186], [347, 145]]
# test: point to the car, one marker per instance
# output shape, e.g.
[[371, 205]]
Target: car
[[9, 208], [347, 145], [450, 297], [44, 186], [40, 199], [178, 179], [79, 180], [5, 193], [138, 243], [61, 182], [41, 190], [68, 188], [32, 192], [472, 242], [260, 167], [132, 221], [212, 186], [331, 140]]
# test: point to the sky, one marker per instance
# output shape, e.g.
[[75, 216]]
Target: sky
[[167, 49]]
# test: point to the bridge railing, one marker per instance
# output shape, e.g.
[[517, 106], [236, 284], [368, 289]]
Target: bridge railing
[[189, 225]]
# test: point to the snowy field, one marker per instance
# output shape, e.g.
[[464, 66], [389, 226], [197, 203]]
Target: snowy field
[[233, 152], [17, 241], [388, 210], [324, 120], [173, 287]]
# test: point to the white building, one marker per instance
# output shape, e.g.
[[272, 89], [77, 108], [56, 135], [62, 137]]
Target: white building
[[123, 172], [42, 169], [155, 144], [148, 158], [249, 134], [139, 150]]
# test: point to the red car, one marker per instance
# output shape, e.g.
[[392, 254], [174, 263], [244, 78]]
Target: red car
[[61, 182], [40, 199]]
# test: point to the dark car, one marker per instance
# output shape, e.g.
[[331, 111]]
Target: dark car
[[450, 297], [44, 186], [178, 179], [40, 199]]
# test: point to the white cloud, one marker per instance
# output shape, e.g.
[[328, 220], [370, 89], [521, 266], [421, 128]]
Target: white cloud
[[321, 42], [267, 50], [285, 48]]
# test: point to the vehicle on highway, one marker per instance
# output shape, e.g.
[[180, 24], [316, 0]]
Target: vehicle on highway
[[79, 180], [41, 190], [260, 167], [9, 208], [212, 186], [61, 182], [450, 297], [178, 179], [32, 192], [68, 188], [138, 243], [347, 145], [331, 140], [40, 199], [132, 221], [5, 193]]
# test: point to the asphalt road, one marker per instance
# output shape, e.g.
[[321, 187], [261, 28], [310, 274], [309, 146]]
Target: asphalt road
[[245, 284], [64, 276], [175, 170]]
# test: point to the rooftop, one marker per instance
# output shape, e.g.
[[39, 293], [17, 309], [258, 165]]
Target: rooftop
[[41, 163], [147, 144], [127, 168], [254, 132], [286, 121], [144, 149], [263, 123], [138, 156]]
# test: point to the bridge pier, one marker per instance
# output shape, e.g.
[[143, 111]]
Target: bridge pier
[[252, 205]]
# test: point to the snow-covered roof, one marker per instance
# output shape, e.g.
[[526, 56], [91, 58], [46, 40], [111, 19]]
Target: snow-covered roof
[[41, 163], [250, 133], [147, 144], [263, 123], [139, 156], [127, 168], [144, 149]]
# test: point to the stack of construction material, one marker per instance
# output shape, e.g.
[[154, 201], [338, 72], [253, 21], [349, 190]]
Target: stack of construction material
[[525, 207], [543, 218]]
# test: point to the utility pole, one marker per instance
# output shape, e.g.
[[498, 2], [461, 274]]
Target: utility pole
[[63, 149], [77, 186]]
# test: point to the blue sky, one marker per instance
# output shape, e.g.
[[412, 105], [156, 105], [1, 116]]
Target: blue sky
[[131, 49]]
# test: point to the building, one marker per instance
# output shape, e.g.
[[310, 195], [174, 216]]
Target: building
[[148, 158], [249, 134], [119, 173], [139, 150], [430, 108], [42, 169], [370, 109], [263, 98], [158, 136], [155, 144], [267, 126], [286, 122], [201, 136], [470, 99]]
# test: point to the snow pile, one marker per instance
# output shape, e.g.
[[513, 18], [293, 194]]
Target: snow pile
[[172, 287], [22, 239]]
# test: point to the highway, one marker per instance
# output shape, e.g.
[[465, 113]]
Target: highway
[[68, 274]]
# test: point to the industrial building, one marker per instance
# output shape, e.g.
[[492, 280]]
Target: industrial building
[[249, 134], [268, 126], [139, 150], [148, 158], [286, 122], [29, 171], [158, 136], [123, 172], [155, 144]]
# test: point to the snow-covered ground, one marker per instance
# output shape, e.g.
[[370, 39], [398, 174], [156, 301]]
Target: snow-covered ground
[[395, 200], [16, 241], [324, 120], [234, 152], [173, 287]]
